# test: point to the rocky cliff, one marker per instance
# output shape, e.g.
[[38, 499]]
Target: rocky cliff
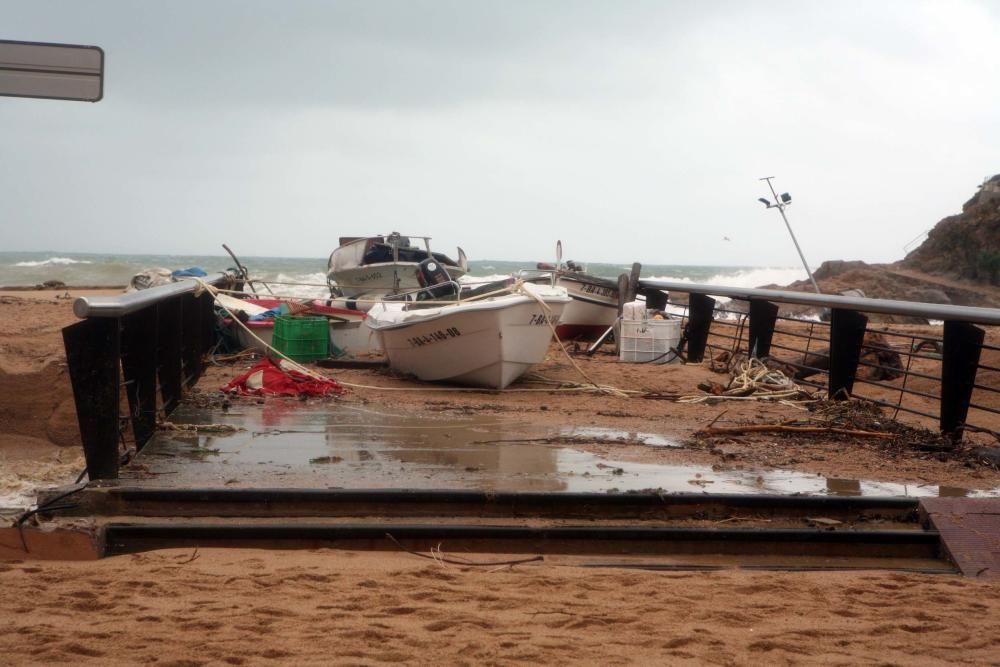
[[958, 263], [965, 246]]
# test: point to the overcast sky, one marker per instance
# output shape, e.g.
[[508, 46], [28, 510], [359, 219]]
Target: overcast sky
[[630, 130]]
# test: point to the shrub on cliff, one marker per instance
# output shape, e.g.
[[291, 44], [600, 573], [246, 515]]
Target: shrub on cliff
[[967, 245]]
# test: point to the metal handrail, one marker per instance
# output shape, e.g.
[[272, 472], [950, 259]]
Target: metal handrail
[[130, 302], [933, 311]]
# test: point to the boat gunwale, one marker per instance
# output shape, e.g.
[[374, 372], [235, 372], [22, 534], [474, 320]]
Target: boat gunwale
[[593, 301], [493, 303]]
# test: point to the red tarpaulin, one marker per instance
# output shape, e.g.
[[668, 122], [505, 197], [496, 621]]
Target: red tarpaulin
[[269, 379]]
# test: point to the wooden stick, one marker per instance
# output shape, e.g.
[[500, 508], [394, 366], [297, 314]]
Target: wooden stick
[[717, 417], [454, 561], [784, 428]]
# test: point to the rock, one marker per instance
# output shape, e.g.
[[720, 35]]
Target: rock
[[836, 267], [988, 192], [965, 246], [875, 350], [890, 362], [930, 295]]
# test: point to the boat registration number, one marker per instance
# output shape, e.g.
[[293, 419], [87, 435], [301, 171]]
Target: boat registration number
[[597, 290], [434, 337], [369, 276], [541, 319]]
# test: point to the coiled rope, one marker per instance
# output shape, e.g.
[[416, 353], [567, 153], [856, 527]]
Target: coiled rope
[[753, 381]]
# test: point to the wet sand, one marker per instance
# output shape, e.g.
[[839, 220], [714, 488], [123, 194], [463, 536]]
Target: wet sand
[[39, 405]]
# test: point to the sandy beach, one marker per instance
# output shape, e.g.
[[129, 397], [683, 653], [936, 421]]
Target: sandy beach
[[324, 607], [336, 607]]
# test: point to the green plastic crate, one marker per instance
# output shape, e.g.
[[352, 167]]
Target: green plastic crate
[[302, 338]]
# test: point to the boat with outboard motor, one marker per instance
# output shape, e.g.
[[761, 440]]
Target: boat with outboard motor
[[488, 340], [364, 269]]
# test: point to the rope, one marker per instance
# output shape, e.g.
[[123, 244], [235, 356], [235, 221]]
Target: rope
[[603, 389], [214, 291], [570, 387], [599, 388], [753, 381]]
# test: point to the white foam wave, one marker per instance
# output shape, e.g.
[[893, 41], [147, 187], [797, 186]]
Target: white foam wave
[[756, 277], [294, 285], [748, 278], [52, 261]]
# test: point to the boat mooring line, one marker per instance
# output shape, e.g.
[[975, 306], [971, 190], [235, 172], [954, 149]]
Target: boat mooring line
[[214, 291]]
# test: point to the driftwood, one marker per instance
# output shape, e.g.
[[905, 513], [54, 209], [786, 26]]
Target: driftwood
[[436, 556], [788, 428]]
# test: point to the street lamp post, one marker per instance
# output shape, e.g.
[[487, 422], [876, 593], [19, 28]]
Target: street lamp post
[[780, 203]]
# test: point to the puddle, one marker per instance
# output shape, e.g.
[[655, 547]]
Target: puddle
[[611, 435], [288, 444]]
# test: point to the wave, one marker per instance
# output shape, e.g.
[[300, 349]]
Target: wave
[[756, 277], [53, 261], [292, 285], [92, 269]]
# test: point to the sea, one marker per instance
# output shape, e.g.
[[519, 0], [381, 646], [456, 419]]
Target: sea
[[306, 276]]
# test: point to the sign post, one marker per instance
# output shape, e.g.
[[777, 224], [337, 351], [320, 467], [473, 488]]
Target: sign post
[[51, 71]]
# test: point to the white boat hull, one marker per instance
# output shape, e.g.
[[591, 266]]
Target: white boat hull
[[356, 274], [487, 343], [380, 279], [353, 339], [593, 309], [264, 338]]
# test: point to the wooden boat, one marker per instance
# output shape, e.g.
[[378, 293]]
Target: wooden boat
[[594, 305], [482, 342], [378, 265]]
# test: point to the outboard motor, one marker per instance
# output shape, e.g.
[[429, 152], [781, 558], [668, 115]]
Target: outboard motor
[[431, 272]]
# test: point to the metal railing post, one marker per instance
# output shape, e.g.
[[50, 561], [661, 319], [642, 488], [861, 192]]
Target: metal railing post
[[763, 315], [139, 343], [700, 311], [959, 362], [92, 355], [168, 360], [847, 335]]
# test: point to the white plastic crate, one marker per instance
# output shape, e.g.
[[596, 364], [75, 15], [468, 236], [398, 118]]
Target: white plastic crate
[[649, 341]]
